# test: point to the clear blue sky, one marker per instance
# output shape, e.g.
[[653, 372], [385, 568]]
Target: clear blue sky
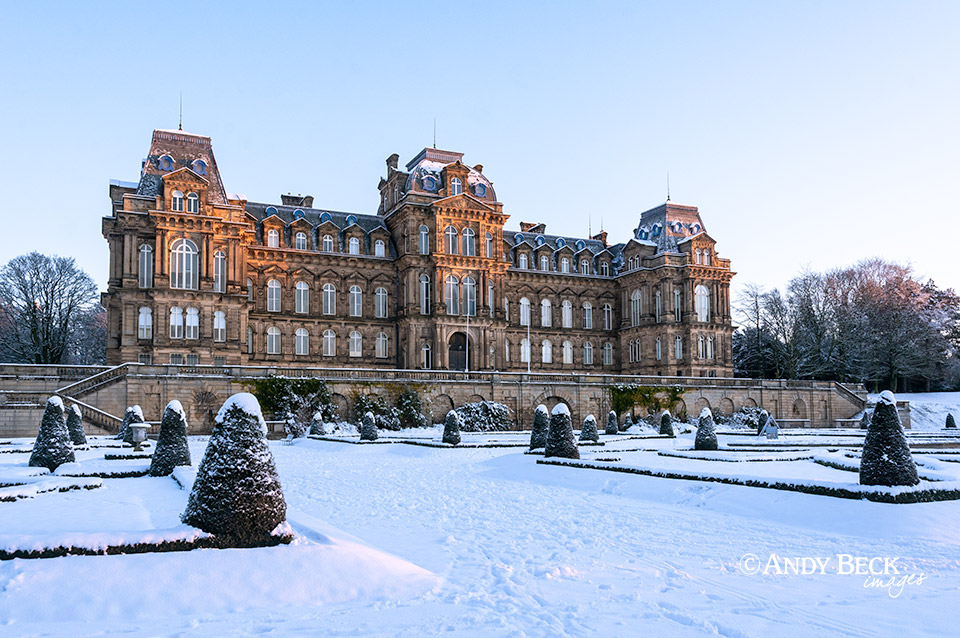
[[809, 133]]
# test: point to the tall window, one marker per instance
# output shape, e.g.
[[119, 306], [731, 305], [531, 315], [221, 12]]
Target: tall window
[[356, 301], [659, 349], [273, 296], [567, 352], [547, 351], [489, 252], [193, 324], [565, 265], [424, 294], [426, 360], [273, 340], [329, 299], [701, 347], [451, 295], [300, 242], [450, 240], [381, 346], [702, 297], [566, 314], [456, 186], [699, 256], [546, 313], [607, 317], [490, 299], [709, 347], [329, 343], [220, 271], [607, 354], [678, 347], [524, 312], [677, 305], [249, 289], [584, 267], [522, 261], [588, 354], [636, 307], [219, 326], [176, 323], [301, 342], [544, 262], [302, 298], [587, 316], [249, 340], [469, 297], [273, 238], [604, 269], [146, 267], [380, 303], [469, 243], [356, 344], [657, 306], [193, 203], [424, 240], [379, 248], [184, 265], [524, 350], [706, 257], [145, 324], [327, 244], [176, 201], [354, 246]]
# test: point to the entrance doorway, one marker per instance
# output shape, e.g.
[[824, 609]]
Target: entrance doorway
[[458, 351]]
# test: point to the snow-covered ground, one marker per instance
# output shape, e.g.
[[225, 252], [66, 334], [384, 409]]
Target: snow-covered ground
[[928, 410], [401, 540]]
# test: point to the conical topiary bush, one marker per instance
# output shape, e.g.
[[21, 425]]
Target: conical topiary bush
[[762, 421], [451, 428], [950, 422], [541, 426], [589, 430], [75, 426], [560, 441], [133, 415], [368, 428], [627, 423], [237, 493], [666, 424], [52, 447], [865, 420], [706, 434], [172, 449], [886, 458], [612, 427]]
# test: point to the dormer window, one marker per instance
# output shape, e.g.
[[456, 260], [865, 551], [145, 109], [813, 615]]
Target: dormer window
[[379, 249], [544, 262], [193, 203], [656, 230], [480, 190], [522, 261], [176, 202], [456, 186], [301, 241], [604, 269], [327, 244], [325, 217], [166, 163], [199, 167], [584, 267], [699, 254], [565, 265], [429, 183], [273, 238], [351, 219], [354, 246], [297, 214]]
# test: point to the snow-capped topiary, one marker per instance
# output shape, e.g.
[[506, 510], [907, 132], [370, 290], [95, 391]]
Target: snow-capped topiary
[[52, 447], [666, 424], [950, 422], [484, 416], [368, 428], [541, 426], [172, 449], [589, 430], [762, 421], [560, 441], [133, 415], [886, 458], [612, 427], [865, 420], [706, 433], [237, 493], [451, 428], [627, 423], [75, 426]]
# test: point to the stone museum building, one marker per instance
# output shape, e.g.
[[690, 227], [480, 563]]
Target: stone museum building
[[431, 280]]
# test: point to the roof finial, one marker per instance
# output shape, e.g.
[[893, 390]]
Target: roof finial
[[180, 126], [668, 186], [589, 227], [434, 132]]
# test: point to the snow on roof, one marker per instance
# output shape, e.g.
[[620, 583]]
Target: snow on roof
[[123, 184], [246, 402]]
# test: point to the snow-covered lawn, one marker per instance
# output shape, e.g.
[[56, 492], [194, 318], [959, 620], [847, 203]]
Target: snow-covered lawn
[[402, 540], [928, 410]]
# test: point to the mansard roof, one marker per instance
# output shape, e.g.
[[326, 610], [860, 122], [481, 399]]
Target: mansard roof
[[312, 216], [184, 150], [667, 224]]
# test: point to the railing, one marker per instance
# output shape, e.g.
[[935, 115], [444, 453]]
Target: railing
[[90, 383], [23, 371], [96, 416], [850, 396]]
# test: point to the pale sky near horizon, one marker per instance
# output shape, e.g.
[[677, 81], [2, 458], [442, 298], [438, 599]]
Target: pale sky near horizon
[[810, 134]]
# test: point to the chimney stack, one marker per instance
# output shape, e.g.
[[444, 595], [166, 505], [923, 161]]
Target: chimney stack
[[602, 236]]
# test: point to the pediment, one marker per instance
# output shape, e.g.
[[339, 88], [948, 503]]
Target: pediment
[[184, 175], [301, 224], [274, 220], [463, 201], [330, 274]]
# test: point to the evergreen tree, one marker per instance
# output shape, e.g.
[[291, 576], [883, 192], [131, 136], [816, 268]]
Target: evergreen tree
[[886, 458], [52, 447], [666, 424], [541, 425], [410, 410], [589, 430], [237, 493], [560, 441], [950, 422], [612, 427], [75, 426], [706, 434], [627, 423], [451, 428], [865, 420], [368, 428], [762, 421], [133, 415], [172, 449]]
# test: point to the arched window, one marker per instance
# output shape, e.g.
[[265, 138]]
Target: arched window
[[587, 316], [426, 361], [490, 301], [145, 324], [146, 267], [544, 262], [327, 244], [524, 350], [329, 299], [524, 312], [547, 351], [381, 346], [701, 347], [424, 240], [706, 257], [584, 267], [273, 340], [184, 265], [220, 271], [273, 296], [566, 314], [450, 240], [565, 265], [249, 289], [709, 347], [636, 307], [176, 201], [699, 254], [702, 297], [469, 243], [657, 306], [300, 242], [302, 298], [677, 305], [469, 297], [567, 352], [379, 248], [637, 348], [546, 313], [356, 344], [356, 301], [607, 354], [329, 343], [424, 294], [588, 354], [193, 203], [522, 261], [451, 295], [219, 326], [604, 269], [380, 303], [456, 186], [301, 342], [607, 317], [631, 352], [273, 238], [678, 347], [193, 324], [354, 246], [489, 252], [176, 323], [659, 350]]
